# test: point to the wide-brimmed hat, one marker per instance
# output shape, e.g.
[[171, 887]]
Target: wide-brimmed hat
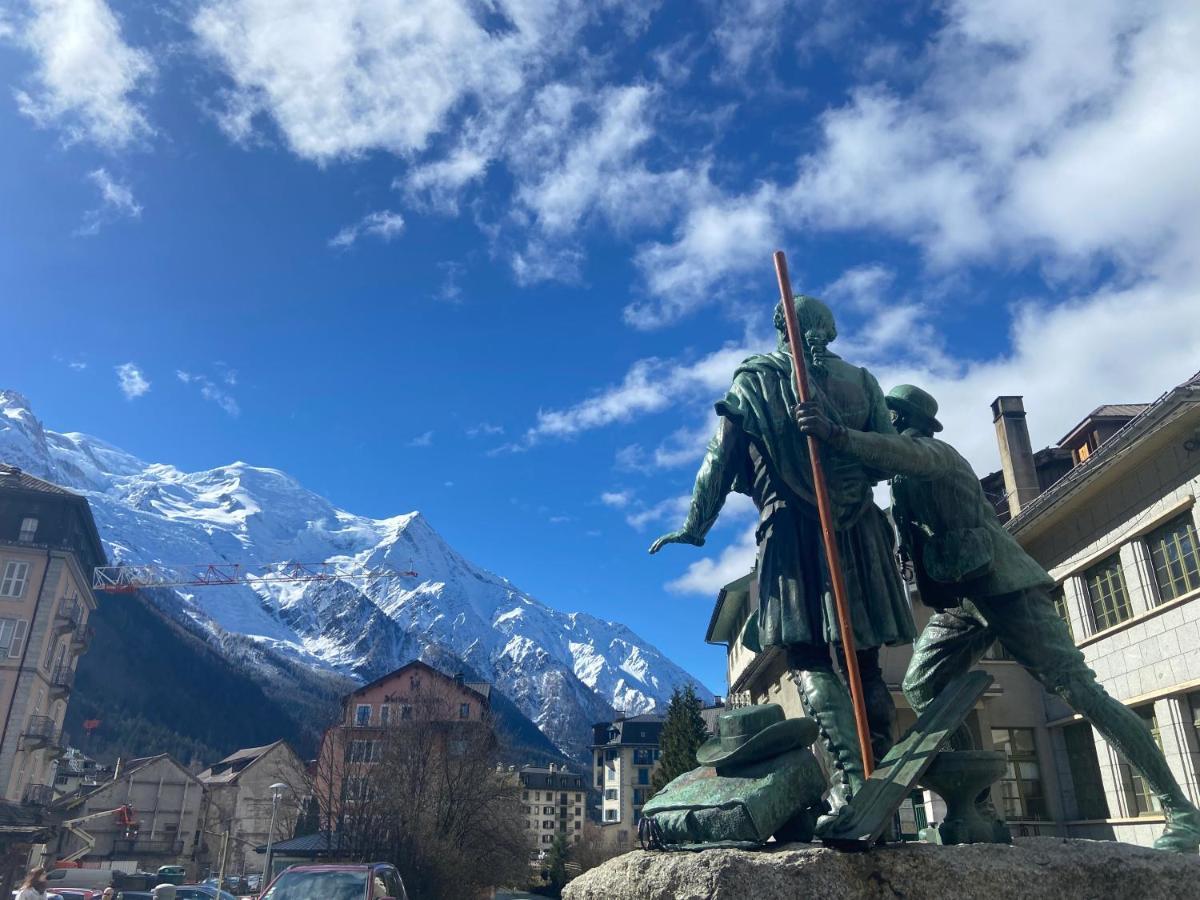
[[914, 403], [752, 733]]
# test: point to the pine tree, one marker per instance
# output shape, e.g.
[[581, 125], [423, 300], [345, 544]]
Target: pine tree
[[682, 734], [556, 864]]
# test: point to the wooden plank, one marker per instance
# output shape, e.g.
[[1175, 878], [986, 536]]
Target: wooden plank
[[874, 806]]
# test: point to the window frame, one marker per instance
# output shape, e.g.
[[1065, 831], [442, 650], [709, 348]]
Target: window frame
[[22, 537], [1189, 576], [1021, 802], [358, 719], [11, 579], [1107, 592]]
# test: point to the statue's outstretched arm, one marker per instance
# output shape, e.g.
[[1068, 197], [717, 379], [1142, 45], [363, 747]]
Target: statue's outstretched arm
[[713, 483]]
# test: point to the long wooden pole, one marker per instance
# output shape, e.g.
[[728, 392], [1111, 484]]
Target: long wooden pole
[[825, 513]]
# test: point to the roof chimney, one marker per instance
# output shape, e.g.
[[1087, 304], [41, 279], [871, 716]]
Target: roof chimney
[[1016, 453]]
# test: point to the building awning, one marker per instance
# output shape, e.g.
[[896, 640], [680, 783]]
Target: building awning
[[725, 613]]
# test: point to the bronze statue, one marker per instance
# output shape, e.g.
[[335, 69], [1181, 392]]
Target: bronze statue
[[986, 588], [758, 451]]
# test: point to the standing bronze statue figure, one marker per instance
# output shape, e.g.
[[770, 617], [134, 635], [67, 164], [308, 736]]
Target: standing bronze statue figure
[[758, 451], [985, 587]]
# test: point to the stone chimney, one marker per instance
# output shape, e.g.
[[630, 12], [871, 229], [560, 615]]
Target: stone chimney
[[1016, 452]]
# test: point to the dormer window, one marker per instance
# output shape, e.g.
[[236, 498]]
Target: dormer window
[[28, 530]]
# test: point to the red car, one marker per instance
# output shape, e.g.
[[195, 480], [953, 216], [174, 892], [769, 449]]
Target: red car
[[369, 881]]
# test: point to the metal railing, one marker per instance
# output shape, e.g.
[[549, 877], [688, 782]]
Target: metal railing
[[61, 681], [69, 615], [81, 638], [40, 731]]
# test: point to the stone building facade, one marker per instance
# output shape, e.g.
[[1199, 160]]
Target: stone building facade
[[238, 803], [166, 800]]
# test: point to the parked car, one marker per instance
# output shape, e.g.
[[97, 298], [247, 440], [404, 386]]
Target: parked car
[[201, 892], [92, 879], [171, 874], [135, 895], [373, 881], [79, 894]]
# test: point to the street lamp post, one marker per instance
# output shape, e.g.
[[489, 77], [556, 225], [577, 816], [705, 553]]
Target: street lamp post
[[277, 790]]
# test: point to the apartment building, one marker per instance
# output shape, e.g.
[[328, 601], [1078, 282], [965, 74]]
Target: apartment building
[[555, 802], [1110, 512], [414, 693], [48, 548], [625, 752], [239, 804]]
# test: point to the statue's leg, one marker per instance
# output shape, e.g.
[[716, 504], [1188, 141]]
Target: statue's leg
[[881, 708], [826, 701], [951, 643], [1030, 629]]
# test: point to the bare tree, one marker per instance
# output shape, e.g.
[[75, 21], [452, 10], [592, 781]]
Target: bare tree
[[425, 792]]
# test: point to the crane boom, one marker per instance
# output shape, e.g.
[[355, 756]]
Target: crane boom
[[126, 579]]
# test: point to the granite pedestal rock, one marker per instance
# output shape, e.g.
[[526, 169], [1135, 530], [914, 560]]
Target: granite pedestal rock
[[1029, 868]]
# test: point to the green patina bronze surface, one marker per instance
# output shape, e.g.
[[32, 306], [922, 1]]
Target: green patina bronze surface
[[959, 777], [986, 588], [869, 813]]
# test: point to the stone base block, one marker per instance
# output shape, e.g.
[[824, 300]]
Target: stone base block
[[1029, 868]]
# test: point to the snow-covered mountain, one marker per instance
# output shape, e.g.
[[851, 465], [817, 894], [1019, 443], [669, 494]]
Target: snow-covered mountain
[[563, 670]]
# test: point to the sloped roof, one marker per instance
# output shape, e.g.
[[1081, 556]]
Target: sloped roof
[[482, 688], [317, 844], [14, 477], [131, 768], [231, 767]]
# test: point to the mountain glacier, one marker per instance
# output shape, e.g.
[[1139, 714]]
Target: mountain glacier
[[562, 670]]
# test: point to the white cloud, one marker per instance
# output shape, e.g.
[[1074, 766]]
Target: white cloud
[[382, 224], [670, 512], [116, 202], [707, 576], [131, 381], [616, 499], [485, 429], [424, 439], [213, 392], [87, 77], [341, 79]]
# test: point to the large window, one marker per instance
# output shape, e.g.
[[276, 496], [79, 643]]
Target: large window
[[1141, 797], [1021, 786], [16, 575], [1106, 593], [1173, 553], [643, 756], [12, 637], [362, 714], [1059, 596]]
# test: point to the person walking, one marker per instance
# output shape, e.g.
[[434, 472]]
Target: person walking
[[34, 885]]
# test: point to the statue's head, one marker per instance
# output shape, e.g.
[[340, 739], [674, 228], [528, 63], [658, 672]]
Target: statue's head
[[816, 324], [913, 409]]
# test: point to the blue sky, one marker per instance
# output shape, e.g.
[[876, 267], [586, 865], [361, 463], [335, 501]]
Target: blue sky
[[495, 261]]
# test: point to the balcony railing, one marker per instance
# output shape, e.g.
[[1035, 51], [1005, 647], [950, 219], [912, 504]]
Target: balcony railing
[[61, 681], [37, 795], [69, 615], [41, 731], [81, 638], [158, 846]]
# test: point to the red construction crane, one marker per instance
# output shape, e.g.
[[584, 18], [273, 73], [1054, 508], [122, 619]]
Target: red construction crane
[[127, 579]]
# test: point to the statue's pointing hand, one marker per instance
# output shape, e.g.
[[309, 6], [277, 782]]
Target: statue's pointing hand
[[812, 420], [676, 537]]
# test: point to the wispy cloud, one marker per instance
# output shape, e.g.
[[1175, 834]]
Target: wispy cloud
[[617, 499], [131, 381], [421, 440], [116, 202], [484, 429], [383, 225], [87, 78], [707, 576], [213, 392]]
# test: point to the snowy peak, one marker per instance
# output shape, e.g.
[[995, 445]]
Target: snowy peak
[[563, 670]]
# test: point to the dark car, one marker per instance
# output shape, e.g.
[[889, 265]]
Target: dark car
[[201, 892], [135, 895], [372, 881]]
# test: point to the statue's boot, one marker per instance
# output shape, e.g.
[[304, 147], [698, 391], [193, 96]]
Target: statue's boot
[[1125, 730], [827, 701]]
